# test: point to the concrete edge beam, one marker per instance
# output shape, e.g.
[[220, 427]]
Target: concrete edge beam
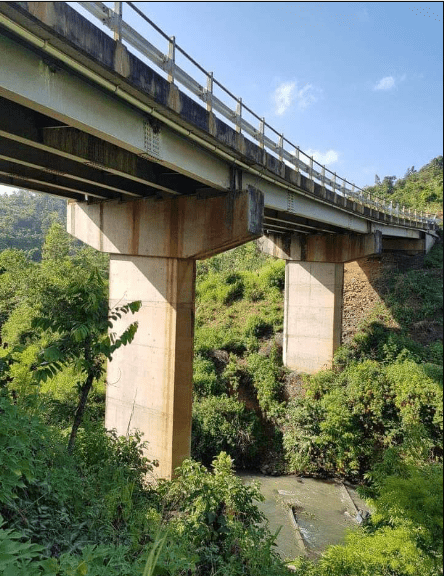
[[321, 247]]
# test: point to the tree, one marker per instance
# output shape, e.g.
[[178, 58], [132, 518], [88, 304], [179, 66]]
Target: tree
[[77, 318], [388, 184]]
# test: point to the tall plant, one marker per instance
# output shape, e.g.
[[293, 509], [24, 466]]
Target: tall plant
[[79, 325]]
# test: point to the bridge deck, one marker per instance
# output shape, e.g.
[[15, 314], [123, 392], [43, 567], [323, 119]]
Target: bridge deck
[[83, 118]]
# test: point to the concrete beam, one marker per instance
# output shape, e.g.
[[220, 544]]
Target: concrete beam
[[181, 227], [410, 246], [321, 247]]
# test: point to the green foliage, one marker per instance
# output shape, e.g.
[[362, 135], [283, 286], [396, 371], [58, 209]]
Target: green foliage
[[220, 424], [416, 295], [19, 434], [25, 218], [205, 378], [217, 514], [346, 423], [265, 374], [422, 190], [18, 558]]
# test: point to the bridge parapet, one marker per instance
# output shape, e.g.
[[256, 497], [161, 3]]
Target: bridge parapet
[[269, 150]]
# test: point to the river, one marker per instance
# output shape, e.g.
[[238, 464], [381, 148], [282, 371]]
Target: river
[[311, 514]]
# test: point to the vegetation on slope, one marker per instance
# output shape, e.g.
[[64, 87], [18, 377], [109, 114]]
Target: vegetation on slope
[[25, 217], [420, 190]]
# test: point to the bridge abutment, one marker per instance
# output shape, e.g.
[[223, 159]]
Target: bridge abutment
[[154, 246]]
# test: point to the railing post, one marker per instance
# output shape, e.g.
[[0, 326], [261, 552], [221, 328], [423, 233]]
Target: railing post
[[334, 182], [209, 92], [239, 116], [171, 59], [323, 176], [281, 148], [311, 168], [261, 133], [118, 26], [296, 158]]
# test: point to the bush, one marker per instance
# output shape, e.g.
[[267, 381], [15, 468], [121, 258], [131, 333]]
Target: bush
[[224, 424], [217, 515], [205, 378], [265, 373], [347, 422]]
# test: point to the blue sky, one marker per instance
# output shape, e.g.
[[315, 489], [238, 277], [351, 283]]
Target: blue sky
[[359, 84], [356, 84]]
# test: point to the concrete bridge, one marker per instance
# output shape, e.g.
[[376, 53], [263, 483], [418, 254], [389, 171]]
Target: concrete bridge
[[159, 181]]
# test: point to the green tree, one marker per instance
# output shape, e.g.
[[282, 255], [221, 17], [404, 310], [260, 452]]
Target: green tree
[[78, 318]]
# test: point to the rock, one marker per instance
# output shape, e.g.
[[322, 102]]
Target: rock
[[220, 358]]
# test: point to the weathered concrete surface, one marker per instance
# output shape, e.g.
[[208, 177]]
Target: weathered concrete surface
[[153, 246], [42, 79], [312, 314], [322, 247], [182, 227], [149, 383], [409, 246]]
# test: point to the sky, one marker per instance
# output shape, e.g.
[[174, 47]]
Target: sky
[[358, 85]]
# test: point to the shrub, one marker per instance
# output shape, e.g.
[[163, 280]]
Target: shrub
[[264, 373], [224, 424], [205, 379], [347, 422], [217, 515]]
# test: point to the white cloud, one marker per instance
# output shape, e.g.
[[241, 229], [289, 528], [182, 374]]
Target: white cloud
[[386, 83], [306, 96], [288, 92], [283, 97], [324, 158]]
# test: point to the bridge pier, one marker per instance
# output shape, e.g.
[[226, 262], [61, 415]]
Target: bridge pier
[[314, 277], [154, 246], [312, 314], [149, 382]]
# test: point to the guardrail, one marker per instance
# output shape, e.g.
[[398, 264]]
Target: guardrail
[[123, 32]]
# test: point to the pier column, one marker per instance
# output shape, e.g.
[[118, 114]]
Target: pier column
[[149, 383], [314, 277], [312, 314], [154, 245]]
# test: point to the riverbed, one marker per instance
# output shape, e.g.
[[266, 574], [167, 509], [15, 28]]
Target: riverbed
[[309, 514]]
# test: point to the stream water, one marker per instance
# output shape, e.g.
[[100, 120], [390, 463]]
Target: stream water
[[311, 514]]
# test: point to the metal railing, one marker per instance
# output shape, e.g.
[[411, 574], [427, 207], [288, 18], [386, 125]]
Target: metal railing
[[302, 162]]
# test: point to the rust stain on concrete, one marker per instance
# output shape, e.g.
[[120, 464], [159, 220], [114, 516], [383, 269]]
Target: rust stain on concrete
[[135, 227], [101, 232]]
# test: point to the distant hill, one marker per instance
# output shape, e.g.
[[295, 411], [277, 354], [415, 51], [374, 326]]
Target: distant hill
[[25, 218], [421, 190]]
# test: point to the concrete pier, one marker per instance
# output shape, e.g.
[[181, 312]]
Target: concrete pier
[[154, 245], [149, 383], [314, 277], [312, 314]]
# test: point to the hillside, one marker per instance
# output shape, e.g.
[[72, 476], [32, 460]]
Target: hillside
[[25, 217], [420, 190]]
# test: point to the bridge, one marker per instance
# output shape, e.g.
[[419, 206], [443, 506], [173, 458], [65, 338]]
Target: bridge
[[159, 171]]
